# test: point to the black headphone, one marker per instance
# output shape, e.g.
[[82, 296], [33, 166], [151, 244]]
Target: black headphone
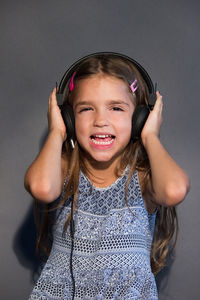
[[140, 114]]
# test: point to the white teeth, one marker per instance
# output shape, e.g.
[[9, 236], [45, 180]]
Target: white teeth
[[102, 143], [102, 136]]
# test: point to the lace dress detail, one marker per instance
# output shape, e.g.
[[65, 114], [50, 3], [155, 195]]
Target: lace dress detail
[[111, 257]]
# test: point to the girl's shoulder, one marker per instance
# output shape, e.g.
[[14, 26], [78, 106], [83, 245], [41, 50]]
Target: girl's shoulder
[[147, 192]]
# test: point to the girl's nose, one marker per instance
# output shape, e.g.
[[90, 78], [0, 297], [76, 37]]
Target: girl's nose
[[101, 119]]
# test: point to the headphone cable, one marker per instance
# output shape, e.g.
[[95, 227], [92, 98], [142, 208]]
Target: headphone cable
[[72, 248]]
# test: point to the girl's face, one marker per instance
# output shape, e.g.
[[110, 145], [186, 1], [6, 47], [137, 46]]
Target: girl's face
[[103, 109]]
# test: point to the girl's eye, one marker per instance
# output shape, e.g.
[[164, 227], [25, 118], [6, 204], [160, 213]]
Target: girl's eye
[[85, 109], [117, 108]]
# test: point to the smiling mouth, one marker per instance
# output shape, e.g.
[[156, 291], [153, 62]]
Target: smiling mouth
[[102, 139]]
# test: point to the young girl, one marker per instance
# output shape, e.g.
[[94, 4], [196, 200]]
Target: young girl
[[110, 191]]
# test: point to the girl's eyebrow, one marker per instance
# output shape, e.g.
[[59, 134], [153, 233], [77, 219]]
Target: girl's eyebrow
[[82, 103], [112, 102], [118, 102]]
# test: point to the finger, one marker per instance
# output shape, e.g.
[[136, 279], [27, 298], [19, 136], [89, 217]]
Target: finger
[[159, 103], [158, 95], [54, 91], [49, 104], [52, 98]]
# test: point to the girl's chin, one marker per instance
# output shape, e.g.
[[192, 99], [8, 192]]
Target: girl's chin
[[101, 156], [102, 159]]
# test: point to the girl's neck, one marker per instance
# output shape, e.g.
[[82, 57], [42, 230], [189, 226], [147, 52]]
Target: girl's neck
[[101, 174]]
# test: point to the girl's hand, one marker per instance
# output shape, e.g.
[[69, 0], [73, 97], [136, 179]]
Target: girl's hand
[[154, 120], [55, 120]]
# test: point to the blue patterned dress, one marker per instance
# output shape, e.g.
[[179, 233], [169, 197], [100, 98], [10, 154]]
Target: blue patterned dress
[[111, 258]]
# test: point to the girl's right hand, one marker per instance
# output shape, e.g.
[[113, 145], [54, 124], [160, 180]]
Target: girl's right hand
[[55, 120]]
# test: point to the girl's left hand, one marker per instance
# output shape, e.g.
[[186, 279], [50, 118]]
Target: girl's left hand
[[154, 120]]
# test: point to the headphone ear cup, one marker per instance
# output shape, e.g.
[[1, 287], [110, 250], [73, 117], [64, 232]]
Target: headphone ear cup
[[139, 118], [69, 120]]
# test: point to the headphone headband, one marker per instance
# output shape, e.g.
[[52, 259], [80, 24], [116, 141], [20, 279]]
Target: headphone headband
[[75, 65]]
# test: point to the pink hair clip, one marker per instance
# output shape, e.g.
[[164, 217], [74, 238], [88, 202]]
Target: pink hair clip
[[134, 86], [71, 83]]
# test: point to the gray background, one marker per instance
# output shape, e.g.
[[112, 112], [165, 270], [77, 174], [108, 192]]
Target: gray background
[[39, 40]]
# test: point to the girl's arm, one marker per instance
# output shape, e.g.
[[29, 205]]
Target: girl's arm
[[44, 178], [170, 183]]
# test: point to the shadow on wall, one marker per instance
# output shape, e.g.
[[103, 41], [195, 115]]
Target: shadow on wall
[[24, 245], [163, 276]]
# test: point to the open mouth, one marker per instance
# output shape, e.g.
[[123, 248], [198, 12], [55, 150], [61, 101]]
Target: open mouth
[[102, 139]]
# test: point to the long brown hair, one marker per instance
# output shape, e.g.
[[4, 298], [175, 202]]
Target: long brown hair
[[166, 226]]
